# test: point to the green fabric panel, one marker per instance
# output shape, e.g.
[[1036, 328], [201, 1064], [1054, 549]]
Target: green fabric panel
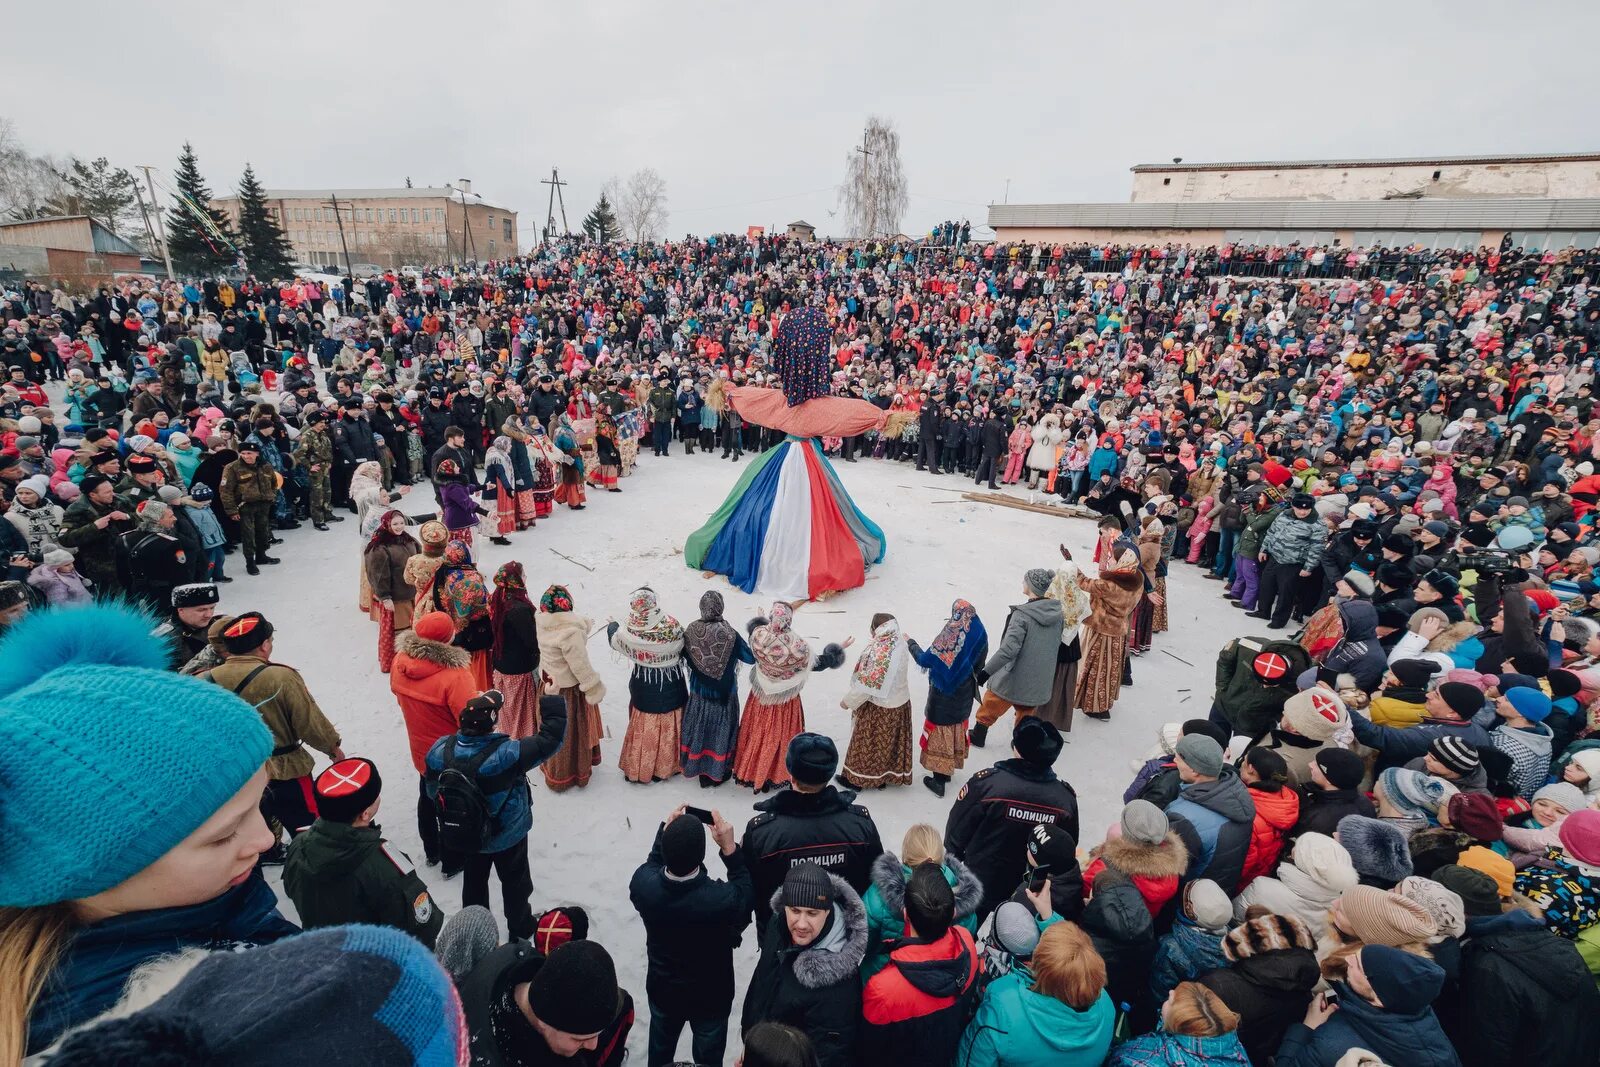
[[699, 542]]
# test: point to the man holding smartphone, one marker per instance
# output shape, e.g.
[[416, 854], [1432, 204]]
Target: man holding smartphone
[[692, 924]]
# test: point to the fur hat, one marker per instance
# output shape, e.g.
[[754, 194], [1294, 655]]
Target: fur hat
[[1360, 581], [1377, 849], [1267, 933]]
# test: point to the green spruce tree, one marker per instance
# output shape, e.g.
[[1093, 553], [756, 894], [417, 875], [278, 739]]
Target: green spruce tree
[[601, 223], [104, 193], [194, 250], [266, 250]]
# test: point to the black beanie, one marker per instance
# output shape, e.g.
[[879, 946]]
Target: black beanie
[[1465, 700], [575, 990], [1036, 741], [683, 845], [930, 903], [1479, 895], [347, 789], [481, 712], [1413, 673], [807, 885], [1341, 767], [812, 758]]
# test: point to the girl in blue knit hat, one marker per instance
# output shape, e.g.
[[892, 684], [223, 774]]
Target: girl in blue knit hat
[[130, 827]]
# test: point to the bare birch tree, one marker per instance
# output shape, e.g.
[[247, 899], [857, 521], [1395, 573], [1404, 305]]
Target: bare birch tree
[[874, 193], [640, 204]]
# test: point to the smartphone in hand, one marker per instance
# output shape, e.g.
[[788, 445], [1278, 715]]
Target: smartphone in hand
[[699, 813]]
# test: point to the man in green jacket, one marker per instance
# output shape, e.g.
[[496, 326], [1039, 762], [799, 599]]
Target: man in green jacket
[[342, 871], [663, 403]]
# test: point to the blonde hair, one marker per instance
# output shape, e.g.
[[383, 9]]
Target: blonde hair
[[1195, 1011], [31, 943], [922, 844], [1066, 966]]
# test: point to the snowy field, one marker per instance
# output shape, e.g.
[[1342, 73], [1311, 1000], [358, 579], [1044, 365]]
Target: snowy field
[[586, 843]]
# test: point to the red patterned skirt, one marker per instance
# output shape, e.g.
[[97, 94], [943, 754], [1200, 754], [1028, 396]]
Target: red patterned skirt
[[505, 513], [765, 731], [519, 717], [650, 747], [528, 509]]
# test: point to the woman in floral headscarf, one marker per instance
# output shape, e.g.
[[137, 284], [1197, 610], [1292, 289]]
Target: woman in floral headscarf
[[652, 641], [1067, 589], [524, 473], [564, 658], [713, 650], [569, 487], [953, 660], [499, 485], [879, 700], [384, 560], [459, 591], [546, 461], [515, 652], [773, 714], [608, 456]]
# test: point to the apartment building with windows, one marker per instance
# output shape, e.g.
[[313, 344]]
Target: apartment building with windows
[[389, 227]]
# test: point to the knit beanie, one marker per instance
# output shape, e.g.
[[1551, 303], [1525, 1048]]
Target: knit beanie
[[1144, 823], [1453, 752], [1202, 754], [1038, 580], [1493, 864], [1413, 791], [1564, 795], [434, 626], [377, 996], [347, 789], [1342, 768], [575, 990], [1015, 929], [1531, 704], [1403, 982], [1476, 890], [38, 485], [1476, 815], [1580, 833], [465, 939], [683, 845], [1206, 903], [108, 758], [1464, 699], [807, 885], [1360, 581], [1377, 849], [1440, 902], [1378, 917], [1316, 713], [812, 758], [1414, 673], [1051, 845], [1267, 933], [1325, 861]]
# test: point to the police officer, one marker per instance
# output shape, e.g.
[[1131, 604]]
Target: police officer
[[193, 607], [812, 822], [342, 871], [314, 452], [352, 446], [995, 812]]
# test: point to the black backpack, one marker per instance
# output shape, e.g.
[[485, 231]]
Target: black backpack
[[461, 801]]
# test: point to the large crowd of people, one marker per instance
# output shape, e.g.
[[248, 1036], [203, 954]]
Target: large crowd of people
[[1381, 846]]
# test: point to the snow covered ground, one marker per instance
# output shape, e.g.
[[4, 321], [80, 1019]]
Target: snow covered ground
[[586, 843]]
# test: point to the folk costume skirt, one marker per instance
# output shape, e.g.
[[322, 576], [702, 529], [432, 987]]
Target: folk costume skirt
[[766, 732], [880, 747]]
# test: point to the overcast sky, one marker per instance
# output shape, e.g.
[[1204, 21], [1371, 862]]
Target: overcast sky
[[750, 109]]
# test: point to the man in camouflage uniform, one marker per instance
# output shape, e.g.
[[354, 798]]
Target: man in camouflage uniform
[[314, 452], [249, 487]]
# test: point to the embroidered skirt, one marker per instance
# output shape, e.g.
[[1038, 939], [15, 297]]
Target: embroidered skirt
[[528, 509], [1158, 617], [1100, 672], [650, 747], [880, 747], [944, 748]]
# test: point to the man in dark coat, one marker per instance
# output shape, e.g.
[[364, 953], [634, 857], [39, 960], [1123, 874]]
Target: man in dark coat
[[343, 871], [435, 421], [1272, 971], [352, 446], [692, 924], [1526, 994], [992, 446], [193, 607], [812, 822], [809, 976], [564, 1009], [1333, 792], [929, 429], [993, 817]]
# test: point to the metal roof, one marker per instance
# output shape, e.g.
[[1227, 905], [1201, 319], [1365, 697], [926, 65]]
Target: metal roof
[[424, 192], [1397, 161], [1489, 214]]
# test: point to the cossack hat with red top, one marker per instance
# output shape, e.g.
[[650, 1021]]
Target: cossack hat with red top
[[247, 633], [347, 789]]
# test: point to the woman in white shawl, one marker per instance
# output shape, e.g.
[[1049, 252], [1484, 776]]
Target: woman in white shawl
[[879, 701], [652, 641], [372, 501], [1067, 589]]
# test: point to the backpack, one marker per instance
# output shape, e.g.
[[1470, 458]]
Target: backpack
[[462, 803]]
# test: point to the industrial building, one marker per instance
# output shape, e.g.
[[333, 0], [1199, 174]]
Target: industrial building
[[1539, 201], [75, 251]]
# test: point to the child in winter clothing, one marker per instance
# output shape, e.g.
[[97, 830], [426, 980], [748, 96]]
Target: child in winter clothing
[[1204, 516], [1195, 944], [1533, 834], [1266, 774], [212, 539], [1017, 446], [58, 581], [1144, 848], [456, 506]]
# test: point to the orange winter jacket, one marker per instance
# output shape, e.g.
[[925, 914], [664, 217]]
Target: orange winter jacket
[[433, 682], [1276, 813]]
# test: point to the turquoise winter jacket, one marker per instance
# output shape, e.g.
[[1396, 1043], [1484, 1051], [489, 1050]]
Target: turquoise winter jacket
[[1016, 1027]]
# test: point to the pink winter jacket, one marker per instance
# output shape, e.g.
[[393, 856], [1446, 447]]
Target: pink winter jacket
[[1201, 526], [1442, 481]]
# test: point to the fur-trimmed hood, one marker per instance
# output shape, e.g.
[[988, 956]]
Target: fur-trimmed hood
[[1452, 636], [838, 953], [1168, 859], [435, 652], [888, 875]]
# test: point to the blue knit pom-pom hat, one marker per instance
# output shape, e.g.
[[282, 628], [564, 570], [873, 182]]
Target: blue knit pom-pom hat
[[107, 760]]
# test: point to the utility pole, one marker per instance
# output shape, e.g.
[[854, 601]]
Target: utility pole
[[350, 272], [466, 227], [555, 183], [1007, 200], [144, 213], [161, 227]]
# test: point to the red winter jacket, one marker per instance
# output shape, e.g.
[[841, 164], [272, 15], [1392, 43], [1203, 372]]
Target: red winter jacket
[[1276, 813], [916, 1008]]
